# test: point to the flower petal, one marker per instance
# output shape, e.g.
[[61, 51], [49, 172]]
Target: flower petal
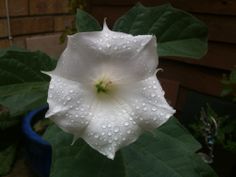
[[121, 55], [69, 105], [111, 128], [150, 108]]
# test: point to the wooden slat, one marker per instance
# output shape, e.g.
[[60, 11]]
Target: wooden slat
[[46, 43], [112, 13], [227, 7], [220, 55], [196, 78], [221, 28], [171, 89], [16, 8]]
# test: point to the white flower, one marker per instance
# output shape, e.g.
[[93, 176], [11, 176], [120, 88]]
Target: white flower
[[104, 89]]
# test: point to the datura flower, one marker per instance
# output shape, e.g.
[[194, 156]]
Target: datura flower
[[105, 91]]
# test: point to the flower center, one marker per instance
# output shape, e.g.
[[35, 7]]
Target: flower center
[[103, 86]]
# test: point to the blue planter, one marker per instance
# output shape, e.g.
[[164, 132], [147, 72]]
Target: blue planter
[[38, 151]]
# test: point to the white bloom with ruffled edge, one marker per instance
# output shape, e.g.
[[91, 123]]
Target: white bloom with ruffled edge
[[104, 89]]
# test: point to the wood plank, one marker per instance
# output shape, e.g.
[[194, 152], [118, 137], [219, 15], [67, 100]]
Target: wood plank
[[171, 89], [16, 7], [227, 7], [220, 55], [112, 13], [221, 28], [48, 44], [200, 79], [43, 7], [32, 25]]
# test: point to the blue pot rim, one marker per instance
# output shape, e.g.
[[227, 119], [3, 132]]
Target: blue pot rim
[[27, 126]]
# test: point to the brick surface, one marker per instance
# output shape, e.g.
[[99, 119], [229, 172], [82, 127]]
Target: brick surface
[[49, 44], [39, 7], [19, 42], [31, 25], [3, 28], [16, 7], [60, 22], [4, 43]]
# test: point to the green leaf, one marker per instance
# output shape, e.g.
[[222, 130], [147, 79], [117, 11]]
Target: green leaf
[[178, 33], [85, 22], [20, 98], [7, 157], [23, 66], [168, 152], [22, 84], [5, 120]]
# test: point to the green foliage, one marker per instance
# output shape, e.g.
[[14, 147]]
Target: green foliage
[[178, 33], [169, 151], [225, 134], [22, 85], [5, 120], [85, 22], [22, 88]]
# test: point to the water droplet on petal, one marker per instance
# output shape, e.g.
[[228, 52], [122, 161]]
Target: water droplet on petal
[[126, 123], [154, 109], [71, 91], [116, 130]]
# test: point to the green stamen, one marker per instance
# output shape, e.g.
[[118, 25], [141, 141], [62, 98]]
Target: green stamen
[[103, 86]]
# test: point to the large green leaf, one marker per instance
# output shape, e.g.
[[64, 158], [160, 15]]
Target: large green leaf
[[178, 33], [19, 66], [6, 120], [168, 152], [22, 85], [85, 22], [23, 97]]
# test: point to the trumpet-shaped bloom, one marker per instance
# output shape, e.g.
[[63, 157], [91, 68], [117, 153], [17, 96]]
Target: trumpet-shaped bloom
[[104, 89]]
